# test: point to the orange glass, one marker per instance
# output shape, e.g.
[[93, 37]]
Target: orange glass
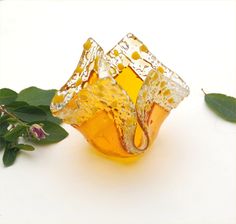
[[119, 100]]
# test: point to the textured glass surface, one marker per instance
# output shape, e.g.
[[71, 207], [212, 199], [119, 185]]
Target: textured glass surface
[[119, 100]]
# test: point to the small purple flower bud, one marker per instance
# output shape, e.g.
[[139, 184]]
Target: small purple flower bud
[[37, 131]]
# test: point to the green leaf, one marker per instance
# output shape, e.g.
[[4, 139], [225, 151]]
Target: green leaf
[[3, 118], [50, 117], [3, 127], [2, 143], [35, 96], [55, 131], [7, 96], [224, 106], [24, 147], [15, 133], [29, 113], [12, 120], [9, 155], [16, 104]]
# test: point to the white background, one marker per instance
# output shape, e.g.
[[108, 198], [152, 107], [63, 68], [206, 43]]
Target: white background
[[189, 177]]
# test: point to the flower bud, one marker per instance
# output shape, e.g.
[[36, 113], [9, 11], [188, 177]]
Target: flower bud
[[37, 131]]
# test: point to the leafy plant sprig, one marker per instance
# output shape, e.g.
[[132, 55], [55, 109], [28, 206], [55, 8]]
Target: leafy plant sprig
[[25, 118]]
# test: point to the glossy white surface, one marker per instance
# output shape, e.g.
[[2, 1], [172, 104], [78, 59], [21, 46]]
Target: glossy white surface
[[190, 174]]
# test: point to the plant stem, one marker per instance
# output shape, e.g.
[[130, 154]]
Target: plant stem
[[203, 91], [2, 109]]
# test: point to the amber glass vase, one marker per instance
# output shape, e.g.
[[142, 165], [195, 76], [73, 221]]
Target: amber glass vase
[[119, 100]]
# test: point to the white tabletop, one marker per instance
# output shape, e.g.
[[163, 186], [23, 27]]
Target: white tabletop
[[189, 176]]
